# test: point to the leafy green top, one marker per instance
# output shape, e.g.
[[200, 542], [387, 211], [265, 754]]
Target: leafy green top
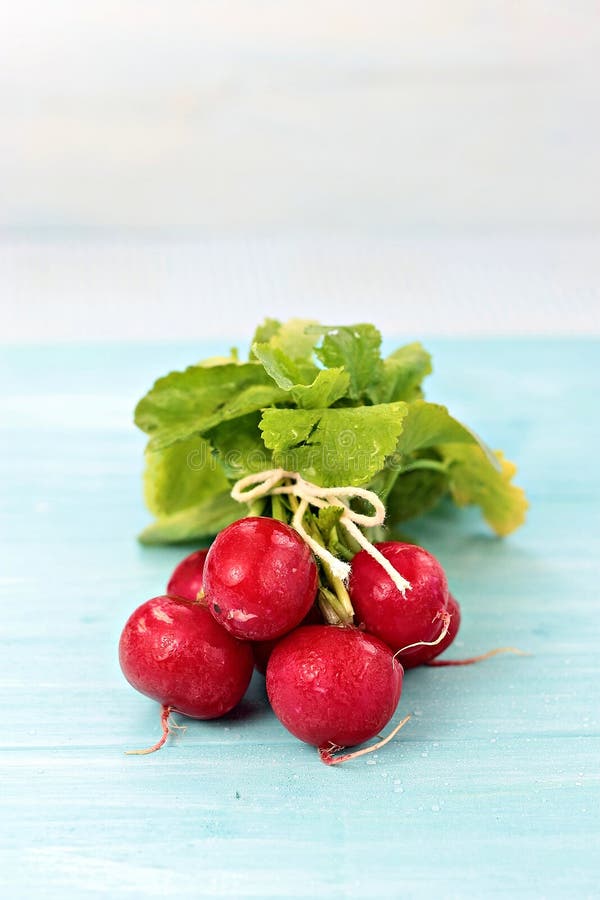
[[323, 402]]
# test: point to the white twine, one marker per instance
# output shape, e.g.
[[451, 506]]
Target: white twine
[[310, 494]]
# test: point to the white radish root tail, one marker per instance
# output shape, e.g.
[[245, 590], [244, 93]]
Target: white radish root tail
[[326, 754], [446, 619]]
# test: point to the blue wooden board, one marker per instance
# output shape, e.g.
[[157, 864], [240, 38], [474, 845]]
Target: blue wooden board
[[490, 790]]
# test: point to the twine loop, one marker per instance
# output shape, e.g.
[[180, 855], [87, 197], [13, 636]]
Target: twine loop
[[268, 482]]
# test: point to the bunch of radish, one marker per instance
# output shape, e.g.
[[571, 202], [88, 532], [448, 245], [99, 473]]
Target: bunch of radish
[[252, 600]]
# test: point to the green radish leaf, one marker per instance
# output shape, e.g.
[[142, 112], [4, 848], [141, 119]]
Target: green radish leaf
[[286, 353], [265, 331], [309, 387], [427, 426], [184, 404], [403, 374], [430, 424], [415, 493], [221, 360], [356, 348], [181, 476], [329, 386], [203, 520], [239, 447], [332, 447], [295, 339], [284, 371], [474, 480]]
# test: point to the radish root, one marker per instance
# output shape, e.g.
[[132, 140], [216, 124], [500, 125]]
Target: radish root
[[476, 659], [446, 619], [166, 727], [326, 754]]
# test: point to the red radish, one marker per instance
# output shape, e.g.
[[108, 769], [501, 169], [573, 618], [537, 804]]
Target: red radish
[[262, 649], [260, 578], [173, 651], [426, 653], [418, 615], [186, 580], [333, 685]]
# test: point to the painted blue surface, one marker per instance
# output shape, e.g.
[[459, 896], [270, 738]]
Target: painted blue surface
[[490, 790]]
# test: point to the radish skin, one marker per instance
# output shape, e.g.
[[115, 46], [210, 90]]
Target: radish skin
[[173, 651], [401, 619], [186, 579], [332, 685], [260, 578]]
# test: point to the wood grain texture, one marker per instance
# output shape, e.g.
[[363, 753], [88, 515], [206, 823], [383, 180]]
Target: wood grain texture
[[492, 789]]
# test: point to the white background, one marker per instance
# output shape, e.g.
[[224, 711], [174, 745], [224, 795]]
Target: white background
[[181, 169]]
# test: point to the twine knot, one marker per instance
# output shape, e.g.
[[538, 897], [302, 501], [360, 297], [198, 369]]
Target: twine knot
[[268, 482]]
